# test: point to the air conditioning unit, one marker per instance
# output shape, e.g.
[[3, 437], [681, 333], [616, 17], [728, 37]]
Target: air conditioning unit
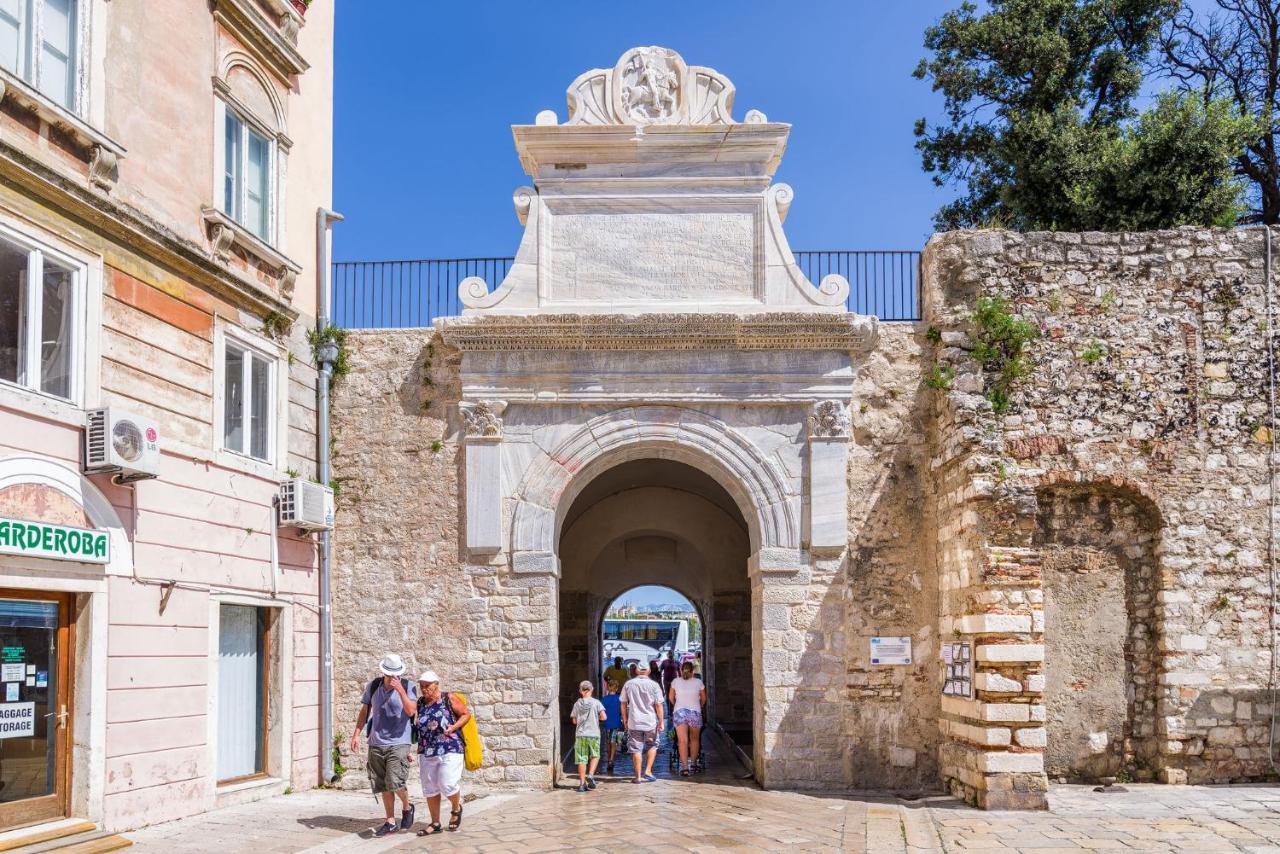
[[122, 444], [307, 505]]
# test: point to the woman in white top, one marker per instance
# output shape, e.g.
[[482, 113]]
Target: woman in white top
[[687, 695]]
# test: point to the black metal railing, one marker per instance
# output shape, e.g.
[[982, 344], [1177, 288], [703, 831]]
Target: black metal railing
[[385, 294]]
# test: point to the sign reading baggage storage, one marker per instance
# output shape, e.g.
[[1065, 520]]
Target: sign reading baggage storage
[[17, 720]]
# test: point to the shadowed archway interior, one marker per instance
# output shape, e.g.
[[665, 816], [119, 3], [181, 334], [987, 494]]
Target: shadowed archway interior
[[661, 522]]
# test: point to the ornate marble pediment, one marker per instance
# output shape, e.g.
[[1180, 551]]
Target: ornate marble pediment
[[652, 199], [651, 86]]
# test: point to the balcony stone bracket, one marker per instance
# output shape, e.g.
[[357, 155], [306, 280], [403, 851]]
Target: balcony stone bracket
[[227, 238], [100, 153]]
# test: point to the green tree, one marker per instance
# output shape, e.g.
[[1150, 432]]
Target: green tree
[[1041, 129], [1231, 50]]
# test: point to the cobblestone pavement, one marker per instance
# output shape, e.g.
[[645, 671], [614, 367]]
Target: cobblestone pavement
[[717, 811]]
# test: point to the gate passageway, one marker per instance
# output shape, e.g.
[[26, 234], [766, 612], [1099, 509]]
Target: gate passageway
[[722, 766], [654, 521]]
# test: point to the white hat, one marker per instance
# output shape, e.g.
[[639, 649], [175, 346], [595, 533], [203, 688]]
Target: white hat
[[391, 665], [642, 666], [428, 676]]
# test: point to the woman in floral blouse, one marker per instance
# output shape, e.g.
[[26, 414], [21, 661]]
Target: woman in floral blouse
[[440, 763]]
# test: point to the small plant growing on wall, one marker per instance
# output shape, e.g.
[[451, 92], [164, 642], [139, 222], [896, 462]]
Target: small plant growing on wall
[[1092, 353], [940, 377], [342, 364], [1000, 341], [276, 326]]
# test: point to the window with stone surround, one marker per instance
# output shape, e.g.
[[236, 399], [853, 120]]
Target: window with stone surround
[[40, 299], [40, 43], [248, 174]]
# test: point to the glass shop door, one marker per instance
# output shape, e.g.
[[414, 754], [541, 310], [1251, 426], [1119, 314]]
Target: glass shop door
[[35, 645]]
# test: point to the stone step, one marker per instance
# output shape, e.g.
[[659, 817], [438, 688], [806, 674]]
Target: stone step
[[23, 839], [89, 842]]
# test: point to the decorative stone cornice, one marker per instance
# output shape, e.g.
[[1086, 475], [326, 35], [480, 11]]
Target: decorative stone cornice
[[99, 152], [481, 419], [274, 43], [759, 331], [829, 420]]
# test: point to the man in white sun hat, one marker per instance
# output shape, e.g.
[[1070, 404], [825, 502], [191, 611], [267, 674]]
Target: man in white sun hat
[[388, 707]]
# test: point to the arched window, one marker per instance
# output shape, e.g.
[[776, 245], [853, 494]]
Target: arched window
[[248, 151]]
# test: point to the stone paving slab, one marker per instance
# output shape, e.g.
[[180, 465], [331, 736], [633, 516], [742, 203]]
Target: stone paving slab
[[718, 812]]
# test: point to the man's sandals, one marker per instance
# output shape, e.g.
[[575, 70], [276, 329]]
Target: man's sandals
[[431, 829]]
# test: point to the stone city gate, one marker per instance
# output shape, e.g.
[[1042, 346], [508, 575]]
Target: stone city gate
[[656, 394]]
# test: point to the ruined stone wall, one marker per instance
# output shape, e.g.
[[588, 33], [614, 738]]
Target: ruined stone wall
[[1148, 382]]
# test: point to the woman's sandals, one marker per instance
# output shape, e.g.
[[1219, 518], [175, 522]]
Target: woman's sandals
[[455, 818], [431, 829]]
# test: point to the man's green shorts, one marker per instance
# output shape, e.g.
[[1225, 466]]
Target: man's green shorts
[[586, 748]]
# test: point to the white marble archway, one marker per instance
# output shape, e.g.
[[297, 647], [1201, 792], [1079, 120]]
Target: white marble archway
[[767, 498]]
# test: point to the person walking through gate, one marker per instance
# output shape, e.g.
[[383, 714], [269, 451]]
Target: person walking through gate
[[670, 670], [688, 695], [586, 716], [614, 735], [617, 673], [388, 706], [440, 750], [642, 716]]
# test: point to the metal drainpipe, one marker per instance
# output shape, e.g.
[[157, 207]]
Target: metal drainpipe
[[326, 354]]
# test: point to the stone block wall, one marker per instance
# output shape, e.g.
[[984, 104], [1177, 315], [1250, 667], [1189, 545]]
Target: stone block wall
[[1138, 445]]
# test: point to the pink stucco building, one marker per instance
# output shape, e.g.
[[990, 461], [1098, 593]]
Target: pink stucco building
[[161, 168]]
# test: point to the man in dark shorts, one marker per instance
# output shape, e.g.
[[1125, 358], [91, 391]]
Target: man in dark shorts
[[389, 704]]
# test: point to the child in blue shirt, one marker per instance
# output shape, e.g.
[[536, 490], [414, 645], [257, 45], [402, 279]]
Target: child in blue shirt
[[613, 734]]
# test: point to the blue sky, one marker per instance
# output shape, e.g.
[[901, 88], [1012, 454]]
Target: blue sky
[[426, 93]]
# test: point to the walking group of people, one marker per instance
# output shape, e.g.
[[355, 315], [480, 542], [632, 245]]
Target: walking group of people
[[633, 714], [396, 713]]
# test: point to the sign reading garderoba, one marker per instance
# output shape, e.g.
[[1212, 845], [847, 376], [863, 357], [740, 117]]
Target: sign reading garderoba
[[55, 542]]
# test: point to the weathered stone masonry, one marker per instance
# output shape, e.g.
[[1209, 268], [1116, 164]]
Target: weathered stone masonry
[[1132, 467], [1102, 546]]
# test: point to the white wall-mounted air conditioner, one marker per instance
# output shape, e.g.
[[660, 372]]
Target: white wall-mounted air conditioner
[[122, 444], [305, 504]]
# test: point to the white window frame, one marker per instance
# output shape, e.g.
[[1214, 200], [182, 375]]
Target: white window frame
[[226, 333], [83, 50], [248, 122], [29, 384]]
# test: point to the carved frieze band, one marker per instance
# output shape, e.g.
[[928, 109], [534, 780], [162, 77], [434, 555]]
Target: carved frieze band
[[665, 332], [829, 420], [482, 419]]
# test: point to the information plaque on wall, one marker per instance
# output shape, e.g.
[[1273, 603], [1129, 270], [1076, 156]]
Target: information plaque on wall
[[957, 666], [891, 651]]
